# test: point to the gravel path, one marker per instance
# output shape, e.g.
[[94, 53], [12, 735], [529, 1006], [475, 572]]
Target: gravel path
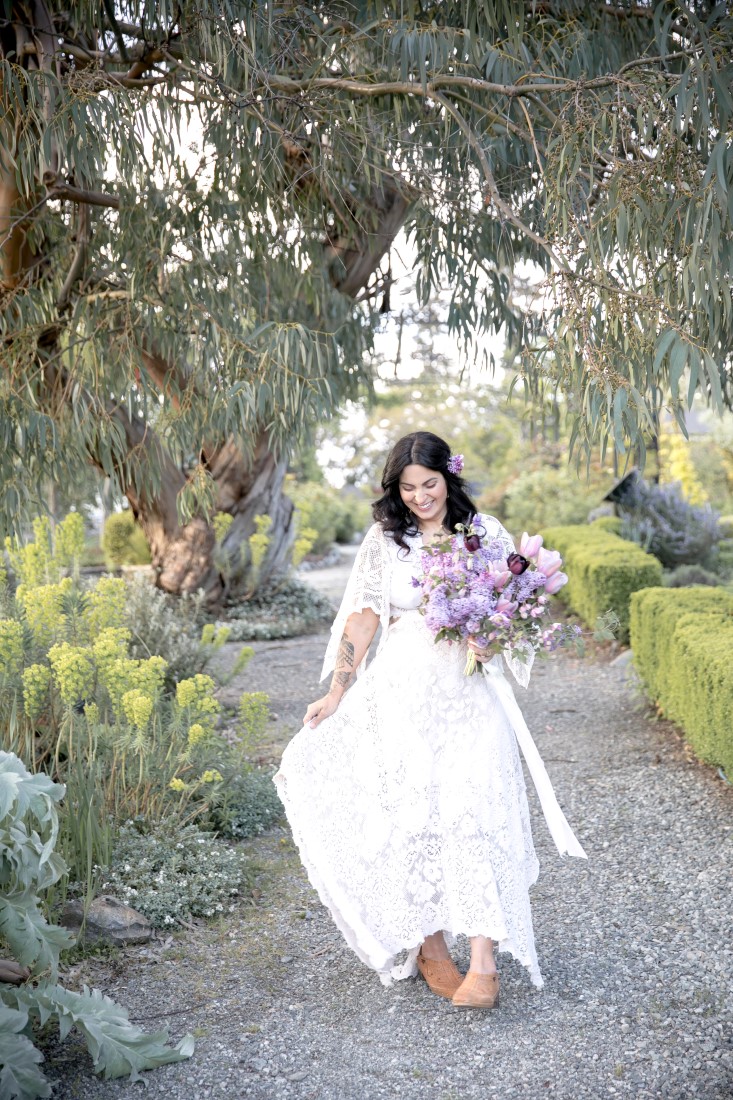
[[635, 945]]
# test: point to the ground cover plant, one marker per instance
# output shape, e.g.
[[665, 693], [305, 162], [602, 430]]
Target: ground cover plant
[[278, 610], [172, 874]]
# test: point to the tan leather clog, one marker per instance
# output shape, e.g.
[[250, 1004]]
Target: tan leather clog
[[442, 975], [477, 991]]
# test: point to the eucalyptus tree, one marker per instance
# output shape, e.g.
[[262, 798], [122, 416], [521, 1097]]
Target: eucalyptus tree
[[198, 202]]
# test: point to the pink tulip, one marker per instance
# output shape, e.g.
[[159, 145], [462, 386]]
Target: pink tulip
[[529, 545], [501, 579], [555, 582], [505, 606], [548, 562]]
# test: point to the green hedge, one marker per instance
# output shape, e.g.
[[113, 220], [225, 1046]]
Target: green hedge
[[724, 558], [603, 571], [682, 641], [611, 524]]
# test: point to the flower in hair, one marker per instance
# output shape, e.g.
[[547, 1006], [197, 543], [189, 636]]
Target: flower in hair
[[455, 464]]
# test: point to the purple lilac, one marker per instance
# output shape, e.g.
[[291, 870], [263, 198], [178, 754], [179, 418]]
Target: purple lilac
[[461, 590]]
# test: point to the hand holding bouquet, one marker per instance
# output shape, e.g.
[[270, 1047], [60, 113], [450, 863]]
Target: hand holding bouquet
[[473, 591]]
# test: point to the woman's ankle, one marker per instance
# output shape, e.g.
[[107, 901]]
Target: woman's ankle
[[434, 947], [483, 966], [482, 955]]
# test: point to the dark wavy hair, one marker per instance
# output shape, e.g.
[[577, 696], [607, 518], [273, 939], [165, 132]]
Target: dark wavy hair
[[420, 449]]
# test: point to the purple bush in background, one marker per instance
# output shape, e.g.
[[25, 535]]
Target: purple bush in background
[[660, 520]]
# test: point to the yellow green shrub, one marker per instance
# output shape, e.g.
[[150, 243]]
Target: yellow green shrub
[[603, 571], [69, 541], [77, 698], [73, 670], [610, 524], [123, 540], [44, 609], [34, 564], [11, 647], [682, 641], [105, 607]]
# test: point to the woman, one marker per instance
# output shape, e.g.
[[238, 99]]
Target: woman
[[405, 794]]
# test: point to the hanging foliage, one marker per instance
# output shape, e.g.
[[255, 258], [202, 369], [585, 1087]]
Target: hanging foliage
[[197, 205]]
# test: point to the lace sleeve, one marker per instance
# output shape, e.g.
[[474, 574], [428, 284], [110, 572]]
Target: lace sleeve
[[495, 530], [367, 586]]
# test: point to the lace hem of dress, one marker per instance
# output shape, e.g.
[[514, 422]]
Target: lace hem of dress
[[362, 942]]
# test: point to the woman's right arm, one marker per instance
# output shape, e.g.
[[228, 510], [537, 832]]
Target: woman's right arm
[[359, 631]]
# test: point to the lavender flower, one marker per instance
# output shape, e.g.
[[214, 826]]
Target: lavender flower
[[470, 591]]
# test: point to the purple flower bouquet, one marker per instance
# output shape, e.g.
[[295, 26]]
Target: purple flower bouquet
[[473, 591]]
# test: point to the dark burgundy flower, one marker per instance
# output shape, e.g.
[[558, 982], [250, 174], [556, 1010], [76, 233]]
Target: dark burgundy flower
[[473, 543], [517, 564]]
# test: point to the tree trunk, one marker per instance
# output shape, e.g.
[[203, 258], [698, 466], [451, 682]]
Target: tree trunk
[[246, 490], [185, 558]]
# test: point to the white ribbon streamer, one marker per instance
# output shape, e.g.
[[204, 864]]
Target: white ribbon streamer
[[561, 832]]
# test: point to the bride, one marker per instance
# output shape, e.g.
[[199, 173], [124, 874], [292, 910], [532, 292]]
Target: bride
[[405, 793]]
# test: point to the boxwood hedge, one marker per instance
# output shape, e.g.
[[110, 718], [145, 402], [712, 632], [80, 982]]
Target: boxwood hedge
[[682, 641], [603, 571]]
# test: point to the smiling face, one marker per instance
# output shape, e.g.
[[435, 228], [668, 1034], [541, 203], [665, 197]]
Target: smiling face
[[425, 493]]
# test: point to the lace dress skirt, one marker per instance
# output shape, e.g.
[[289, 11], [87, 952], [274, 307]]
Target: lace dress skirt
[[408, 806]]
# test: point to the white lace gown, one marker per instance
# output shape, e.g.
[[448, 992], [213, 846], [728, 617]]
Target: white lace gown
[[408, 805]]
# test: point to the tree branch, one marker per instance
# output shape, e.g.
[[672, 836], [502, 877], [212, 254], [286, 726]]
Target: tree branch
[[499, 202], [428, 90], [77, 264], [65, 191]]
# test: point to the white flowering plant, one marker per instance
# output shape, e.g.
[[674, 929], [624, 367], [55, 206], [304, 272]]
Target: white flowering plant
[[172, 875]]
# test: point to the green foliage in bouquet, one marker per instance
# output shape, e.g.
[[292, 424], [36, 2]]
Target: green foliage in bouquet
[[682, 641], [603, 570], [29, 865]]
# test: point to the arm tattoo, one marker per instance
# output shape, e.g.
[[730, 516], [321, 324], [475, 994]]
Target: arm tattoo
[[344, 663], [345, 655]]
